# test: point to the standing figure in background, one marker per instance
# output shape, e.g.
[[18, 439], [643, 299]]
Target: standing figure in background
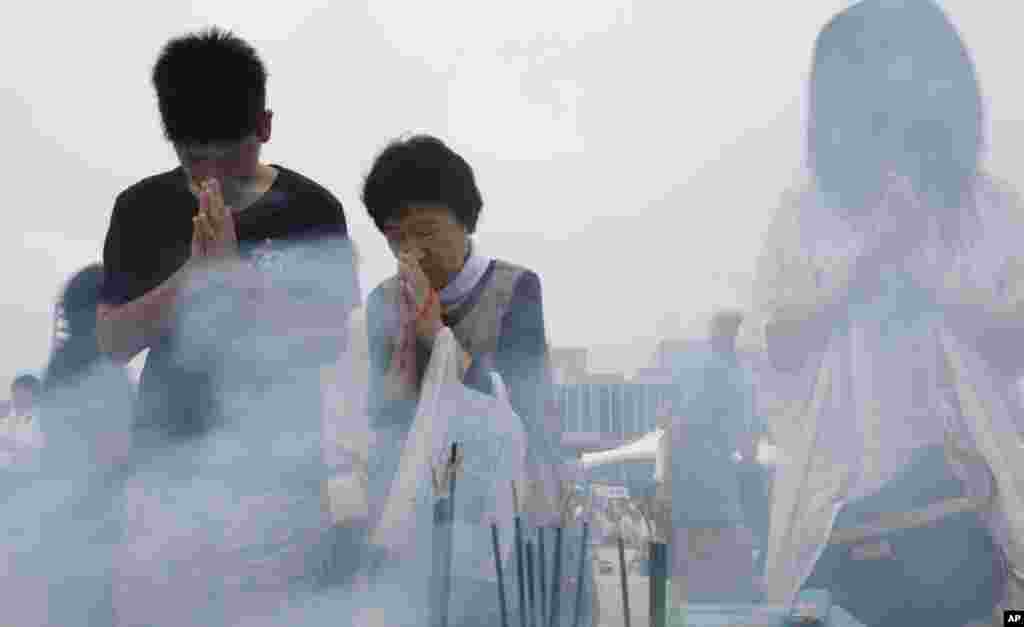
[[238, 277], [713, 441], [21, 501], [22, 497], [423, 197], [890, 304], [87, 400], [81, 379], [20, 433]]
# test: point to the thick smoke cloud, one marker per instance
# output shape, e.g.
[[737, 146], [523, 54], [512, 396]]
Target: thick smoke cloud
[[227, 523]]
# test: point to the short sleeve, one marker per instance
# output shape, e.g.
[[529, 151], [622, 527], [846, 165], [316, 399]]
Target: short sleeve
[[333, 253], [805, 263], [783, 276], [787, 275], [999, 256], [145, 243], [117, 281]]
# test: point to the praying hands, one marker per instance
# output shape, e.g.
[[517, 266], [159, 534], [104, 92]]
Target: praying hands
[[213, 233]]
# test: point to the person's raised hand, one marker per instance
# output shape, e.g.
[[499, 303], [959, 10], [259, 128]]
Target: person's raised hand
[[403, 360], [425, 301], [410, 271], [216, 224]]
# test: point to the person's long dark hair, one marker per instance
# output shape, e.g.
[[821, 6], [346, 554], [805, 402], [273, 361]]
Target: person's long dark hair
[[894, 91], [78, 351]]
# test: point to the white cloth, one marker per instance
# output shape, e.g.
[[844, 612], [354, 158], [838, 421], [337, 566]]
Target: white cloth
[[348, 437], [850, 418], [494, 445]]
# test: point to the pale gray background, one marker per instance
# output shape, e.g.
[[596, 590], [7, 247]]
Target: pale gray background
[[626, 151]]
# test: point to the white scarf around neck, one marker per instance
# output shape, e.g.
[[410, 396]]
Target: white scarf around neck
[[472, 272]]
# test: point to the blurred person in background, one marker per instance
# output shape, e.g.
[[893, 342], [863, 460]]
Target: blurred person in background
[[87, 401], [21, 500], [888, 303], [64, 518], [20, 431], [713, 442], [90, 396]]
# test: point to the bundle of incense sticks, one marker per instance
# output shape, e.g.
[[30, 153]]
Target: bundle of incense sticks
[[529, 605]]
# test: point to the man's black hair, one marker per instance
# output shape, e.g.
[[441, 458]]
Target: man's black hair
[[27, 382], [210, 86], [421, 170]]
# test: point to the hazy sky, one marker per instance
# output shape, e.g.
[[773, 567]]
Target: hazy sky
[[631, 153]]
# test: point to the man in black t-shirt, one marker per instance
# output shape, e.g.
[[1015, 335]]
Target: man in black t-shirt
[[211, 92], [238, 277]]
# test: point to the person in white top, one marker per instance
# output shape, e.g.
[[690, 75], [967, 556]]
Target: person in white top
[[887, 306]]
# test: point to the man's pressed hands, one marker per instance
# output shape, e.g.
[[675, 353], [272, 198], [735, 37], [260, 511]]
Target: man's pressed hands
[[213, 228]]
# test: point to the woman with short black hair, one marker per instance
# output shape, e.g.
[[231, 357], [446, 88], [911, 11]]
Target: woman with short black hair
[[423, 198]]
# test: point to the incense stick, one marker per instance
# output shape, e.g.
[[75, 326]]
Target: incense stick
[[580, 581], [542, 568], [446, 590], [519, 557], [501, 579], [530, 587], [659, 565], [556, 580], [437, 560], [622, 579]]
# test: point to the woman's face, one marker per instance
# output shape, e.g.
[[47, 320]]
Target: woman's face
[[437, 235]]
